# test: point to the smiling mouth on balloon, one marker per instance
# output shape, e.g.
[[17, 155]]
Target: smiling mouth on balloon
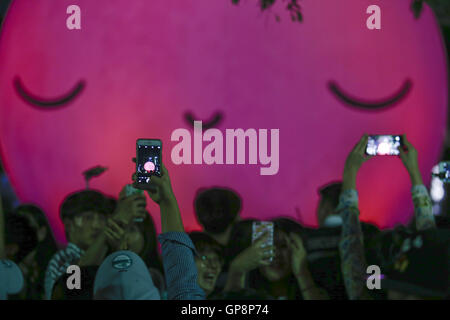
[[44, 103], [371, 105], [213, 122]]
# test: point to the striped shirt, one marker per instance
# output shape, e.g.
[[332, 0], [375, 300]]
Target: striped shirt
[[58, 265], [179, 266]]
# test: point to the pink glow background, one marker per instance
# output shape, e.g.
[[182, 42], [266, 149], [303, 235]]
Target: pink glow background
[[147, 62]]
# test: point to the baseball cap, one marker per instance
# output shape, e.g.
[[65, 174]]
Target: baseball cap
[[11, 279], [422, 265], [123, 275]]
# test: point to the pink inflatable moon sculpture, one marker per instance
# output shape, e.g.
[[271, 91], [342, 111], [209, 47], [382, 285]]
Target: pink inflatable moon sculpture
[[301, 93]]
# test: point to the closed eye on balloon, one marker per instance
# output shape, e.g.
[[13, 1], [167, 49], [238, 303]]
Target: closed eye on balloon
[[45, 103], [213, 122], [371, 105]]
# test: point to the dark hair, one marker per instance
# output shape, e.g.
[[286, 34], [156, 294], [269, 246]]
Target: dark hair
[[19, 231], [83, 201], [289, 225], [149, 253], [111, 204], [239, 240], [258, 282], [47, 247], [331, 192], [202, 241], [216, 208]]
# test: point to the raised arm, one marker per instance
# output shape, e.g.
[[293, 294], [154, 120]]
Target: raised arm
[[423, 210], [257, 255], [176, 247], [300, 269], [351, 245], [160, 191]]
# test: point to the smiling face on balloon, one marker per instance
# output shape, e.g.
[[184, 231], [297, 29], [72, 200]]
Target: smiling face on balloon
[[73, 99]]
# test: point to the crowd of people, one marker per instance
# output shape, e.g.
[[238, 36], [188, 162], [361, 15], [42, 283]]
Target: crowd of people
[[120, 256]]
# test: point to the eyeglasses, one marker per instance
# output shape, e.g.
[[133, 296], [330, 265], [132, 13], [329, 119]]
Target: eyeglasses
[[211, 260]]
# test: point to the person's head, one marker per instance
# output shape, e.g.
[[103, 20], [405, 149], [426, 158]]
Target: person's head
[[84, 214], [217, 209], [420, 269], [140, 238], [46, 243], [280, 268], [37, 220], [329, 200], [208, 260], [20, 238], [123, 275], [261, 278]]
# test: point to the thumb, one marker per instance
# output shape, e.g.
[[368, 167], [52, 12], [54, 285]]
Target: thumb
[[402, 153]]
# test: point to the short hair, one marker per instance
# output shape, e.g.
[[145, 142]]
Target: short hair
[[203, 241], [19, 231], [331, 192], [84, 201], [216, 208]]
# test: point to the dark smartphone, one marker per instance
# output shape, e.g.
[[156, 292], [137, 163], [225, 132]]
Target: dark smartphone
[[148, 159], [384, 145]]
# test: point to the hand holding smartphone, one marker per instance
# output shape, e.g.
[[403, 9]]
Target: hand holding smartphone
[[263, 228], [130, 190]]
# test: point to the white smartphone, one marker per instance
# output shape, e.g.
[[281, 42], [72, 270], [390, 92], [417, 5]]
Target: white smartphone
[[261, 227], [384, 145]]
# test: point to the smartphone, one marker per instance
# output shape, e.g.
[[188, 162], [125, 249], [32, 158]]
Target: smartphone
[[444, 172], [261, 227], [148, 159], [130, 190], [384, 145]]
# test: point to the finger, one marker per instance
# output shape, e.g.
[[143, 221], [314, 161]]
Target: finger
[[154, 196], [115, 227], [263, 238], [361, 146], [115, 234], [138, 206], [269, 253], [136, 185], [296, 239], [137, 197], [267, 249], [109, 235], [164, 171], [401, 152], [140, 201], [406, 143], [156, 181], [265, 262]]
